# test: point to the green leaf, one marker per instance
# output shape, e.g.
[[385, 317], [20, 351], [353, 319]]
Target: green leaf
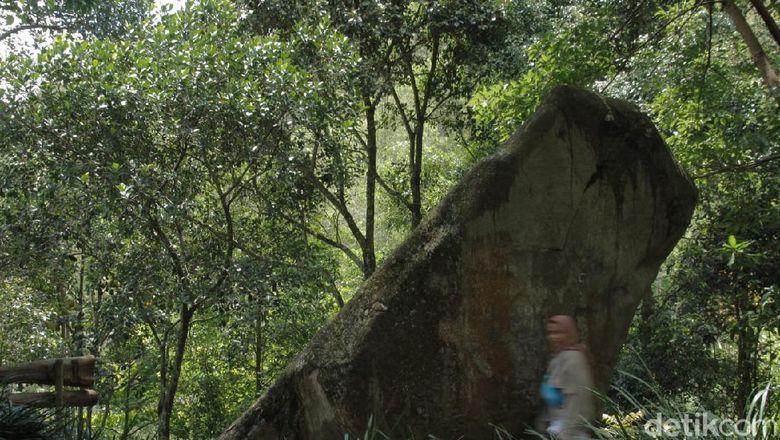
[[732, 241]]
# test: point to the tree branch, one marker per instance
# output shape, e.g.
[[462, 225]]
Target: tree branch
[[393, 192], [336, 293], [741, 167], [239, 245], [154, 332], [450, 93], [431, 79], [413, 82], [340, 207], [341, 246], [402, 111], [163, 238], [27, 27]]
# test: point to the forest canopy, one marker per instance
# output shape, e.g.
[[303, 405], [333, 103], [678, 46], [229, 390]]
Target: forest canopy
[[190, 193]]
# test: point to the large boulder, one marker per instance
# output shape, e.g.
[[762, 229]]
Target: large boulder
[[573, 215]]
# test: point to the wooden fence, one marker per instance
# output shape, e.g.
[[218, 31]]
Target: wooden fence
[[63, 372]]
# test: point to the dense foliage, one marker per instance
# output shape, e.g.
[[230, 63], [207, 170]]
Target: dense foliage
[[190, 195]]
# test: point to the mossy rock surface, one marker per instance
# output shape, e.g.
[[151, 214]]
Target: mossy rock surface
[[574, 215]]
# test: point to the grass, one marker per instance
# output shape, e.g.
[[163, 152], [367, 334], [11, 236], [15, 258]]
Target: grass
[[656, 417], [666, 417], [27, 423]]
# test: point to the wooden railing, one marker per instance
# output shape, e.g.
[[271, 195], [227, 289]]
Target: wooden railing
[[63, 372]]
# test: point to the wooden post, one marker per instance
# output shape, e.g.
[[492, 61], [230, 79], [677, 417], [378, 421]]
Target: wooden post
[[59, 383]]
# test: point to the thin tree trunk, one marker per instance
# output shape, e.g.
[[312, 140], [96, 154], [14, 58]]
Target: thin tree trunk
[[415, 134], [169, 374], [166, 409], [80, 425], [646, 312], [95, 300], [259, 353], [89, 423], [416, 180], [757, 53], [746, 347], [163, 382], [126, 419], [369, 253], [747, 344], [421, 109], [335, 292], [64, 326], [770, 22], [79, 336], [78, 327]]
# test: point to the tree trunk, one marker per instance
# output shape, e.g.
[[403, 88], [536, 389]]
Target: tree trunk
[[95, 301], [646, 311], [747, 345], [369, 253], [421, 109], [80, 425], [167, 399], [770, 22], [126, 414], [163, 380], [259, 353], [746, 367], [335, 292], [80, 337], [416, 178], [62, 312], [90, 435], [78, 326], [756, 51]]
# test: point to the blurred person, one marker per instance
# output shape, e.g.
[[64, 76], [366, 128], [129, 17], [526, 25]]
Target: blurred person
[[568, 384]]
